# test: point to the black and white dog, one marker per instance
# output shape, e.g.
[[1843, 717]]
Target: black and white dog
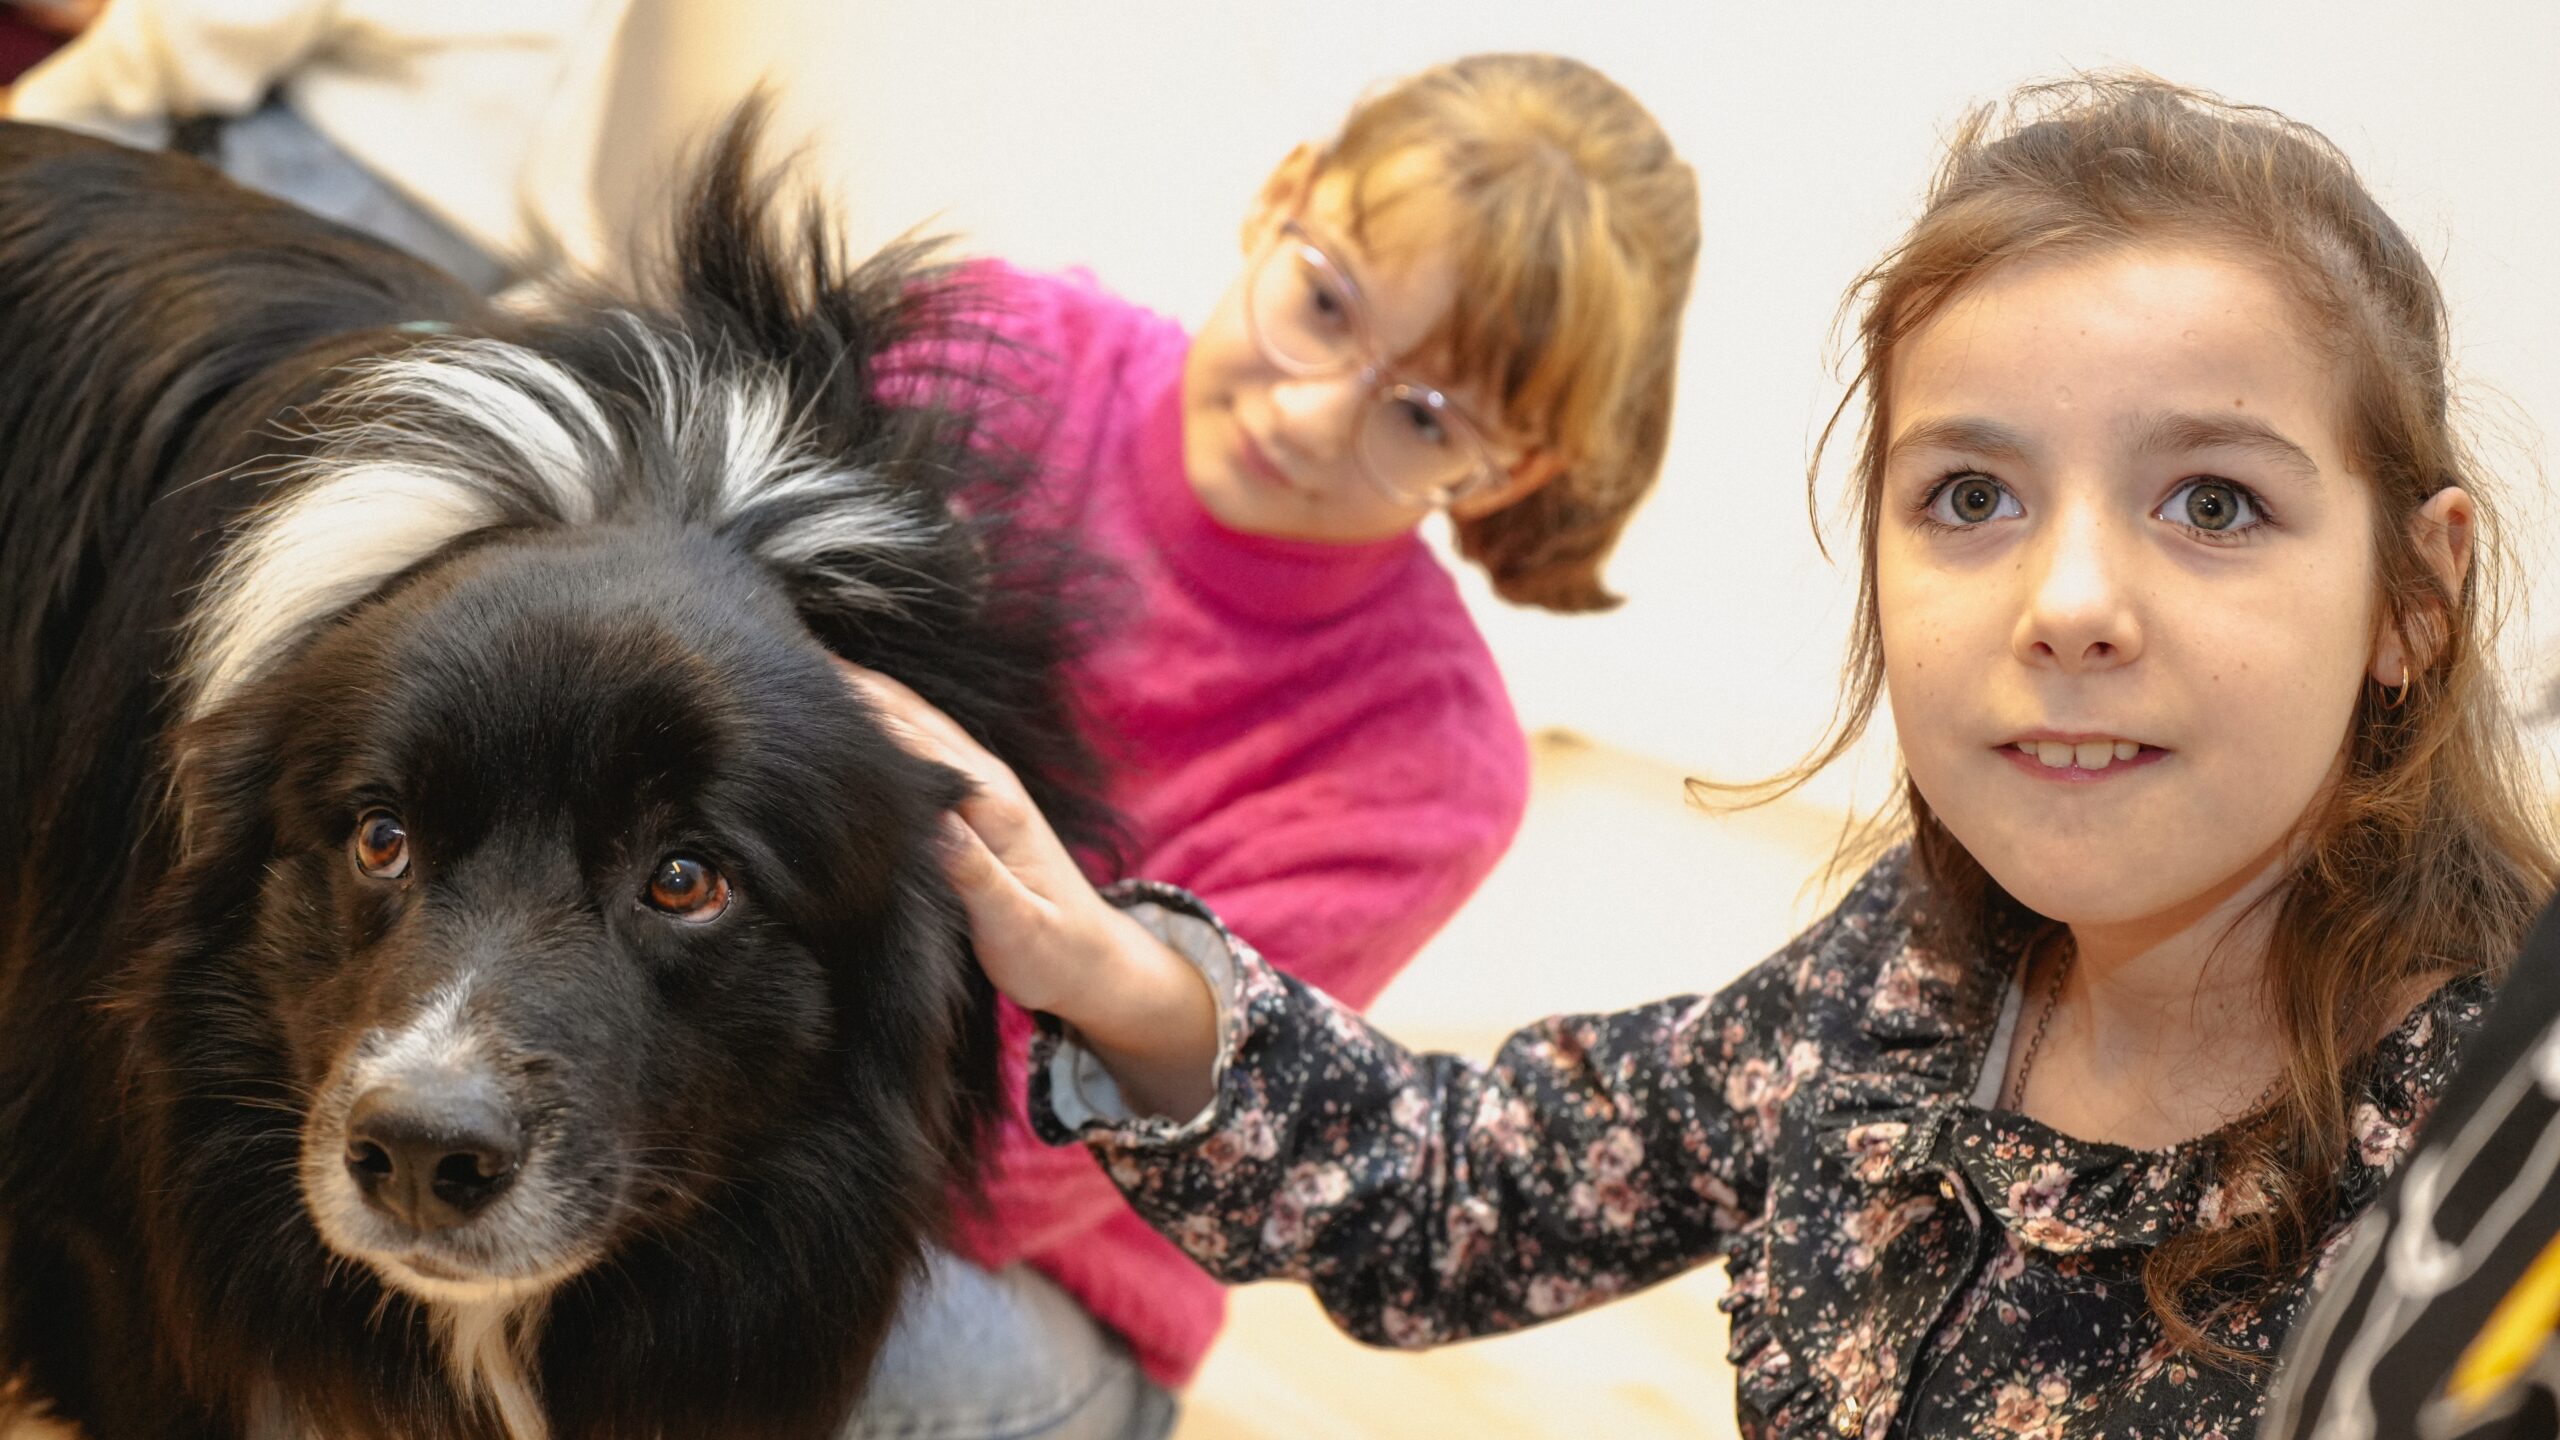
[[468, 967]]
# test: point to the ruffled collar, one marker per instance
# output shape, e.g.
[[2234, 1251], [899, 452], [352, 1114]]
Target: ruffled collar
[[1906, 1115]]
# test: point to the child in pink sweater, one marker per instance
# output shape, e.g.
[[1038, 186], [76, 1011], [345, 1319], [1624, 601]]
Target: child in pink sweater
[[1467, 302]]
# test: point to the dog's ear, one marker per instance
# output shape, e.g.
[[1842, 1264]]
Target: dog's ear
[[215, 831], [901, 540], [978, 1095], [223, 767]]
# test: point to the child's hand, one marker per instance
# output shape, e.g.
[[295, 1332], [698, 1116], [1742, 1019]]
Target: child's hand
[[1044, 935], [1038, 923]]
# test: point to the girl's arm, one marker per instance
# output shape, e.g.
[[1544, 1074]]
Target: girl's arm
[[1424, 1198], [1337, 876]]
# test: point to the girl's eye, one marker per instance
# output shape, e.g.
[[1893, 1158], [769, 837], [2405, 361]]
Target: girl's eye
[[1968, 500], [1324, 302], [1423, 421], [688, 889], [380, 845], [2214, 506]]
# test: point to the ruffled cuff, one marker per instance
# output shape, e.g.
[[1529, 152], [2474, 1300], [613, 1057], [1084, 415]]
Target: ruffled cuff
[[1073, 1098]]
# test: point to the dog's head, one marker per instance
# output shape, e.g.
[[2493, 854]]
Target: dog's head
[[588, 891], [539, 878]]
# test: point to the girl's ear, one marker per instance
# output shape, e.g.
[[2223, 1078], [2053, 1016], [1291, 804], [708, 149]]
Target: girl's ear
[[1536, 466], [2441, 532], [1281, 194]]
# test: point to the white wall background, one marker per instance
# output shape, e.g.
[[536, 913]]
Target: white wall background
[[1129, 137]]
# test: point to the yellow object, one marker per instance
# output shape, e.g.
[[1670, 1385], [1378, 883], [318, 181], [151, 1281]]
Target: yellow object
[[2517, 1330]]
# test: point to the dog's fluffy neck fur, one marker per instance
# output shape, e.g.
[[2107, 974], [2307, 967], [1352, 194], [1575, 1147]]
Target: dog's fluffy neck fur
[[490, 1347]]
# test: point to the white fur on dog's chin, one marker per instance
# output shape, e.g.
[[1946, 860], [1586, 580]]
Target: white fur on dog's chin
[[490, 1349], [407, 475], [491, 1331], [500, 1291]]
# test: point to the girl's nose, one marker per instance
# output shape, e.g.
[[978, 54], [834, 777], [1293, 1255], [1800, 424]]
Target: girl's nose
[[2081, 612], [1317, 413]]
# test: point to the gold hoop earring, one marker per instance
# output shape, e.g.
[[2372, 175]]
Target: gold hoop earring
[[2399, 694]]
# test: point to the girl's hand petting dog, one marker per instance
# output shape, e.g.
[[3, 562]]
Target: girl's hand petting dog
[[1045, 936]]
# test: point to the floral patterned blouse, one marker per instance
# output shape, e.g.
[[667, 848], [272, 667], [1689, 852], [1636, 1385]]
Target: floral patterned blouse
[[1903, 1262]]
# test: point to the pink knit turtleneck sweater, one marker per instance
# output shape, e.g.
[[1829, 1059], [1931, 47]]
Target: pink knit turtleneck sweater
[[1311, 737]]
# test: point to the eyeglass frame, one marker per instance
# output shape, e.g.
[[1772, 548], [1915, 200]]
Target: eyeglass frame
[[1371, 372]]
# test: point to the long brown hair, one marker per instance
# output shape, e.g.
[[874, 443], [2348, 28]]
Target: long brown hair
[[2429, 857], [1576, 227]]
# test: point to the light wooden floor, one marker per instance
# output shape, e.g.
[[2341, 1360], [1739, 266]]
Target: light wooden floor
[[1617, 892]]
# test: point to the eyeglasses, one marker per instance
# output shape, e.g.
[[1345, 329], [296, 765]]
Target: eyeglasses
[[1413, 442]]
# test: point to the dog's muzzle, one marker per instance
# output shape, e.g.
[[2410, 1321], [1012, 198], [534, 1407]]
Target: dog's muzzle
[[432, 1152]]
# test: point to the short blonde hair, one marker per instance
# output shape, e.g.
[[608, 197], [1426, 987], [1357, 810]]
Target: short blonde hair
[[1575, 229]]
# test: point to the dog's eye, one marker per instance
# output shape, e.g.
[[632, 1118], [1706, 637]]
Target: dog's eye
[[381, 845], [689, 889]]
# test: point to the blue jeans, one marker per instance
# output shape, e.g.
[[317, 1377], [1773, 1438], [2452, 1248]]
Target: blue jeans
[[1005, 1355], [274, 149]]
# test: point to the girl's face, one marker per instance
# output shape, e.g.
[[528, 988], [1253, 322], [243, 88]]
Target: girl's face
[[2125, 579], [1272, 452]]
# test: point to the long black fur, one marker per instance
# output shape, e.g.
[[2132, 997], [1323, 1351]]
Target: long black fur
[[553, 700]]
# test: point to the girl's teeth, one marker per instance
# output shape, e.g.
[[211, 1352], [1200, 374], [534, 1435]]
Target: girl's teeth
[[2087, 755]]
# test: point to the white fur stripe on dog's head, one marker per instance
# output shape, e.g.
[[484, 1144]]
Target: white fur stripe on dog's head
[[426, 448]]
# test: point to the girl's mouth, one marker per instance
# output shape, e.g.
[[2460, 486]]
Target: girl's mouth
[[2079, 760], [1259, 465]]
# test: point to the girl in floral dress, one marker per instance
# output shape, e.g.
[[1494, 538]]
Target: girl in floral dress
[[2178, 579]]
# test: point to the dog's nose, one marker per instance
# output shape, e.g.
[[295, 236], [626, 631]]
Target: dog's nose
[[432, 1156]]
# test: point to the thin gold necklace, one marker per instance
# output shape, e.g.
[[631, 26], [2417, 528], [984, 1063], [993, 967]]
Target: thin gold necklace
[[2013, 1096]]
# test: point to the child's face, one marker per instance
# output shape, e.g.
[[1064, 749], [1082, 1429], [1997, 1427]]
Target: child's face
[[2115, 514], [1271, 451]]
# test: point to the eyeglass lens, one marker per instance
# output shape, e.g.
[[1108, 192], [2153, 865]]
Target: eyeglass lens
[[1305, 315]]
